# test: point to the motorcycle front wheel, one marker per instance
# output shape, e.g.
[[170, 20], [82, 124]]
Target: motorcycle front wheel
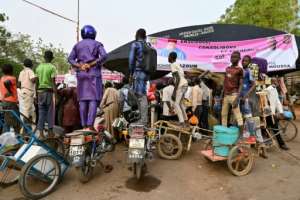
[[85, 172]]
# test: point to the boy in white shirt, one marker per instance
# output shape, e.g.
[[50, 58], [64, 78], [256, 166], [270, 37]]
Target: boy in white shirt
[[180, 88], [197, 97], [26, 81], [168, 104]]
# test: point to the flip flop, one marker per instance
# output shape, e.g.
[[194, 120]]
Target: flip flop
[[108, 168]]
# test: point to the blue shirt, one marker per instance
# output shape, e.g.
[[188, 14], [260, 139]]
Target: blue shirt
[[247, 81], [140, 77], [136, 56]]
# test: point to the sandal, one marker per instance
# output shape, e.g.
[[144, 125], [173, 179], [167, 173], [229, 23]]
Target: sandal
[[108, 168]]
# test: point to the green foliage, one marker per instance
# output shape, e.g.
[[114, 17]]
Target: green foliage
[[14, 48], [277, 14]]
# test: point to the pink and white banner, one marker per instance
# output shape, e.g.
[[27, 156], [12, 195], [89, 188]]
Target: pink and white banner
[[280, 51]]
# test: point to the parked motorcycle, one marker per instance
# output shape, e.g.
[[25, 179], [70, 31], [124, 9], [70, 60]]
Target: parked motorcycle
[[87, 148], [141, 144]]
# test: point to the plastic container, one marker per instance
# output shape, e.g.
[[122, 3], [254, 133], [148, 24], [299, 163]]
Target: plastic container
[[246, 109], [224, 136], [8, 138], [288, 115], [250, 127], [33, 151]]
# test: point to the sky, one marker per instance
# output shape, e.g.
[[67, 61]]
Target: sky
[[116, 21]]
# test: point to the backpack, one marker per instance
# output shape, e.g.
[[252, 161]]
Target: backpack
[[132, 100], [149, 62]]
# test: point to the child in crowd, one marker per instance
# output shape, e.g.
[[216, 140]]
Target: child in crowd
[[181, 86], [233, 84], [217, 106], [9, 96], [27, 90], [46, 89]]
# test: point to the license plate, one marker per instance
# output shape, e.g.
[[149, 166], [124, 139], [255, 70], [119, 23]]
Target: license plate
[[136, 143], [136, 154], [76, 150]]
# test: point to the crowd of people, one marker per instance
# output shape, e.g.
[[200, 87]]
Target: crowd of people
[[35, 93]]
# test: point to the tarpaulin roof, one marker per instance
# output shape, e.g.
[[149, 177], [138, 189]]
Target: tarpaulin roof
[[118, 58]]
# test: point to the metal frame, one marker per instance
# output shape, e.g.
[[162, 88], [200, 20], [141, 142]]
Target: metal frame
[[17, 162]]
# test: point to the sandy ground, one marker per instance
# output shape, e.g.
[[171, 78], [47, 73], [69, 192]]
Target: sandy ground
[[191, 177]]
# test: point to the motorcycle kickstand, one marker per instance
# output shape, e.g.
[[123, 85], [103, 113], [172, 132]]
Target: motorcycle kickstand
[[101, 164]]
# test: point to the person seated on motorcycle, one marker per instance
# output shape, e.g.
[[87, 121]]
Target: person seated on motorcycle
[[128, 109]]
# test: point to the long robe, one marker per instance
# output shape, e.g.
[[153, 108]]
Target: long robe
[[112, 111], [89, 83], [71, 117]]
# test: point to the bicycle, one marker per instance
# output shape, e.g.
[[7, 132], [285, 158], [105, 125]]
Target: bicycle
[[10, 150], [37, 175], [288, 129]]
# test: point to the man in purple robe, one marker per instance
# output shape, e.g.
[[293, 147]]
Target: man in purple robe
[[87, 57]]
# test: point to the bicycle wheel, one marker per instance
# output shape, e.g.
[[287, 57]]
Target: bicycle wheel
[[240, 160], [39, 176], [169, 147], [289, 130], [10, 175]]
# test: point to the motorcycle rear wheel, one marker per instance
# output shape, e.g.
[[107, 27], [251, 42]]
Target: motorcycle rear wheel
[[85, 172], [138, 171]]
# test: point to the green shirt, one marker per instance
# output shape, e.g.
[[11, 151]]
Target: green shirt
[[45, 73]]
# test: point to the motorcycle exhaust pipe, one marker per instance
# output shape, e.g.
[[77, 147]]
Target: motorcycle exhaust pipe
[[109, 137]]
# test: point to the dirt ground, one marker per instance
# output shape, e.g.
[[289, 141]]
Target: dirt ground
[[191, 177]]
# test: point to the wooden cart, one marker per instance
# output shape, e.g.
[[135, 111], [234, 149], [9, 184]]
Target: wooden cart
[[174, 138], [240, 159]]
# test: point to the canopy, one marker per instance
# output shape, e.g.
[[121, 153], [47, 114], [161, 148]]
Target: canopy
[[118, 58]]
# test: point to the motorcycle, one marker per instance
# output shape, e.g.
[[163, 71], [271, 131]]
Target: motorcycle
[[87, 147], [141, 144]]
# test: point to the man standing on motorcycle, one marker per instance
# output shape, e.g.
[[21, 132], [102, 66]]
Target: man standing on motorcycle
[[87, 57], [138, 75]]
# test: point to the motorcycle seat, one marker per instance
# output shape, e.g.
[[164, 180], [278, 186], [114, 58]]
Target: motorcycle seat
[[81, 132]]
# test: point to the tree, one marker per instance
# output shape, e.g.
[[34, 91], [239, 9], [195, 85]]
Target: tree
[[4, 34], [276, 14], [14, 48]]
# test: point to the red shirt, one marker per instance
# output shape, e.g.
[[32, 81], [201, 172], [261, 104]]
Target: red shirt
[[232, 79], [14, 97]]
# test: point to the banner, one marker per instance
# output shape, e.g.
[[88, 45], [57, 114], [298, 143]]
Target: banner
[[280, 51]]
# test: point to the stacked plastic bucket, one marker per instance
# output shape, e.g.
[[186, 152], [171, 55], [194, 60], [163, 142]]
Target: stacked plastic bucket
[[223, 138]]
